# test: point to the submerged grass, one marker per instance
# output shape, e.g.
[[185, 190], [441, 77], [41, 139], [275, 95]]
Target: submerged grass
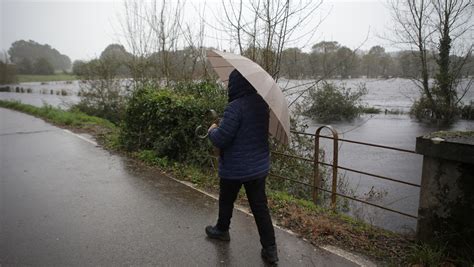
[[23, 78], [371, 110]]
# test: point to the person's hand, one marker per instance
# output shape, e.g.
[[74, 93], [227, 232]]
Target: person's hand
[[213, 126]]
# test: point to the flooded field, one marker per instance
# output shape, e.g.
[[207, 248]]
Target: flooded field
[[391, 130], [59, 94]]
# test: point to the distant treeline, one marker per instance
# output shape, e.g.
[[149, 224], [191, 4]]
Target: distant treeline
[[30, 57], [332, 60], [326, 60]]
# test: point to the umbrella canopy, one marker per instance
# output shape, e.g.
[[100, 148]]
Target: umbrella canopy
[[224, 63]]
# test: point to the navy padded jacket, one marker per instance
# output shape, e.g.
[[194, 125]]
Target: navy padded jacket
[[242, 135]]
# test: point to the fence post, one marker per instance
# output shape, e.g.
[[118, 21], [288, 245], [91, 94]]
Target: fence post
[[317, 179]]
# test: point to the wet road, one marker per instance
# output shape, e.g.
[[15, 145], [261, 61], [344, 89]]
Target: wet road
[[64, 201]]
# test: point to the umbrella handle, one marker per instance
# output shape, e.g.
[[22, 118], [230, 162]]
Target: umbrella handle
[[199, 130]]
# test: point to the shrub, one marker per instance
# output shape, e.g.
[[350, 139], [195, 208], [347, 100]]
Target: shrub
[[467, 112], [164, 120], [101, 94], [333, 103]]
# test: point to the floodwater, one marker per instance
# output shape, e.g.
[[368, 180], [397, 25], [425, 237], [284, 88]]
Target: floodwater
[[398, 131], [396, 95], [50, 93]]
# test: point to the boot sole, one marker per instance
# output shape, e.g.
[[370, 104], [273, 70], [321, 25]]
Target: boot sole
[[222, 238], [218, 237], [268, 260]]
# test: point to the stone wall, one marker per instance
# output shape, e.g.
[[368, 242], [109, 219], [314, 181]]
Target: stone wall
[[446, 212]]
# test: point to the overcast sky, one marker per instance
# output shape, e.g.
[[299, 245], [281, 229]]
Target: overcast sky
[[82, 29]]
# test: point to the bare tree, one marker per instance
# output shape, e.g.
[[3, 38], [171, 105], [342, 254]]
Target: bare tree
[[412, 19], [165, 18], [137, 36], [434, 25], [262, 29], [152, 32], [194, 39]]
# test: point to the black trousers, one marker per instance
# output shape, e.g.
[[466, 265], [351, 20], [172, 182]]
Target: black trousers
[[255, 190]]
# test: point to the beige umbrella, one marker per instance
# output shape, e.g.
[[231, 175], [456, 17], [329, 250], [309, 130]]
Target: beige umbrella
[[224, 63]]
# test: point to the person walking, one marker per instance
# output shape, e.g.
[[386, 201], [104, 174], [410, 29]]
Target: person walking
[[242, 137]]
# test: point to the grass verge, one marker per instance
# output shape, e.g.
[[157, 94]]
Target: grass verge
[[24, 78], [318, 225], [104, 130]]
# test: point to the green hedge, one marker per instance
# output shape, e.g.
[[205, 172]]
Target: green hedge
[[164, 120]]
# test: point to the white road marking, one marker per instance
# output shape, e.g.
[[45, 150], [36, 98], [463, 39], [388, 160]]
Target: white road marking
[[81, 137]]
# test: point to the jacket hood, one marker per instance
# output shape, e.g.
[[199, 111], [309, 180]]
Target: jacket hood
[[239, 86]]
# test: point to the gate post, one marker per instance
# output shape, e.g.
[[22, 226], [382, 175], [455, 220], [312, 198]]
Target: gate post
[[316, 176], [446, 210]]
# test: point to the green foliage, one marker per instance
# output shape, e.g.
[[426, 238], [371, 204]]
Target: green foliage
[[164, 120], [25, 66], [281, 199], [43, 67], [150, 157], [7, 73], [426, 255], [421, 108], [295, 61], [196, 175], [292, 168], [102, 94], [376, 63], [409, 65], [115, 55], [438, 110], [330, 102], [26, 52], [78, 67]]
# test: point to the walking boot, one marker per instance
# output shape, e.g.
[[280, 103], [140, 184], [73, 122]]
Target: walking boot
[[213, 232], [270, 254]]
